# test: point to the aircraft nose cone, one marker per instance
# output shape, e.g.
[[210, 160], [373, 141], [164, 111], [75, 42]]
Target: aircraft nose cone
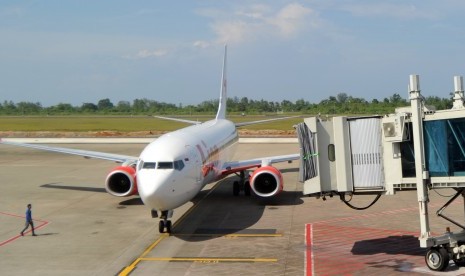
[[153, 190]]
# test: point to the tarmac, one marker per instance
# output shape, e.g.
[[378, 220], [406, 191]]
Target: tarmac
[[84, 231]]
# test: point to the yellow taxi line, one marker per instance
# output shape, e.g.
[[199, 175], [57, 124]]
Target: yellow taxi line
[[211, 260], [231, 235], [127, 270]]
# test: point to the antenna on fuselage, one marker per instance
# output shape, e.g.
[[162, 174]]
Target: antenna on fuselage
[[223, 95]]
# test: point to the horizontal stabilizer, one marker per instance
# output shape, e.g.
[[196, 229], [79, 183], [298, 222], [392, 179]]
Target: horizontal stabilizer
[[178, 120], [265, 121]]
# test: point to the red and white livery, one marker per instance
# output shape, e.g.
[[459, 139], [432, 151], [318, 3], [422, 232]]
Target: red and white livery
[[174, 168]]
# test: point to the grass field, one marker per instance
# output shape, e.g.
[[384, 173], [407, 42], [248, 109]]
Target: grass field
[[123, 124]]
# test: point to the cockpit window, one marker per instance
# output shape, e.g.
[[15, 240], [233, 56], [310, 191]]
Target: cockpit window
[[149, 165], [165, 165], [178, 165]]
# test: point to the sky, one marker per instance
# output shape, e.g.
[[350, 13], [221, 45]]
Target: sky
[[79, 52]]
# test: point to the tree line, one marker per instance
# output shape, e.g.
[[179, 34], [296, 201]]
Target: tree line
[[333, 105]]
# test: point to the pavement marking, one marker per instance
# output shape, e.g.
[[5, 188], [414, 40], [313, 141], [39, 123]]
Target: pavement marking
[[190, 210], [127, 270], [211, 260], [232, 235], [152, 246], [253, 235], [43, 224], [309, 265], [383, 213], [309, 235]]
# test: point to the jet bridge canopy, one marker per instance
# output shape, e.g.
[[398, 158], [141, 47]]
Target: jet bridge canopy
[[346, 155], [417, 147]]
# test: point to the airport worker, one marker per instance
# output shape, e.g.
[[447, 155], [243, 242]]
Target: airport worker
[[29, 220]]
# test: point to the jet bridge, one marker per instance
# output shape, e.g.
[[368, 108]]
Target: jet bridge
[[415, 148]]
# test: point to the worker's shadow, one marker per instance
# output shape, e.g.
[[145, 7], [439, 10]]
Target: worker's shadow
[[217, 212], [46, 234]]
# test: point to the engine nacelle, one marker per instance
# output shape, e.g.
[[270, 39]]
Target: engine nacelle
[[121, 181], [266, 181]]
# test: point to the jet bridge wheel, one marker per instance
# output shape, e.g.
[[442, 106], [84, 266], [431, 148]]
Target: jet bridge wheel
[[437, 258]]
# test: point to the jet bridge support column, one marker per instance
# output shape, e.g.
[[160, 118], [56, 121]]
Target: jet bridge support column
[[420, 168]]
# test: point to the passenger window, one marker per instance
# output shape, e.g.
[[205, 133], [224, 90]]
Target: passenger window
[[165, 165], [178, 165], [149, 165]]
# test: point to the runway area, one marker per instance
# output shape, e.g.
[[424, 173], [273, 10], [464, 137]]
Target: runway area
[[84, 231]]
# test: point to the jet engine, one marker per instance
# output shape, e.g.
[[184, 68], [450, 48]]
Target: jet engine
[[121, 181], [266, 181]]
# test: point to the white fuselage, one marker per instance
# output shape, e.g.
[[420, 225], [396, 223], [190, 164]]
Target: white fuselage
[[175, 167]]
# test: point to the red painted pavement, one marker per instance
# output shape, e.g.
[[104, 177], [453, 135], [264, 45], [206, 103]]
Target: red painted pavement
[[41, 225]]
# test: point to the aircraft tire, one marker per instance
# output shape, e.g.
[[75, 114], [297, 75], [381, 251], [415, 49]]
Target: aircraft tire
[[161, 227], [168, 226], [437, 259]]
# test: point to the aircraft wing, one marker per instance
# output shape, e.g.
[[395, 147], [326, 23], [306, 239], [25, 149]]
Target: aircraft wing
[[85, 153], [236, 166], [178, 120]]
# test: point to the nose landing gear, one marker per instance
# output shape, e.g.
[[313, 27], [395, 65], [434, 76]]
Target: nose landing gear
[[165, 225]]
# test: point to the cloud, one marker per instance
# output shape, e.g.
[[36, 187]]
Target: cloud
[[144, 54], [400, 11], [201, 44], [291, 19], [251, 22], [13, 11], [254, 11], [232, 31]]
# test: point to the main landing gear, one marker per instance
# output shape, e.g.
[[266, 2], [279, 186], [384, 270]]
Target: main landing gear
[[241, 185], [165, 225]]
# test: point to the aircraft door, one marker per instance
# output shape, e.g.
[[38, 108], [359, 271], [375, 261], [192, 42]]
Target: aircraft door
[[196, 164]]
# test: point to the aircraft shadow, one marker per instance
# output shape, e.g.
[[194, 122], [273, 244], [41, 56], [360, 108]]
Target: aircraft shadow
[[392, 245], [132, 202], [290, 170], [74, 188], [126, 202], [220, 213]]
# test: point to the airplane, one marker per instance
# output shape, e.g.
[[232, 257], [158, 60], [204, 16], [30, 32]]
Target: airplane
[[175, 167]]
